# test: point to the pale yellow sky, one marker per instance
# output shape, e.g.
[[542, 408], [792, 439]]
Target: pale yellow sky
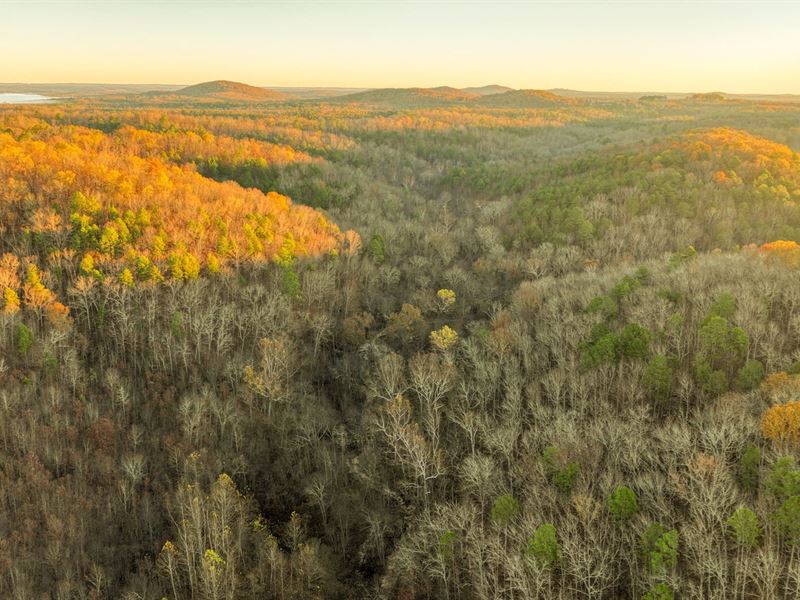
[[616, 46]]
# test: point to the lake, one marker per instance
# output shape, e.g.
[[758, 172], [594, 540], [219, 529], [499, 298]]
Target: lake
[[23, 98]]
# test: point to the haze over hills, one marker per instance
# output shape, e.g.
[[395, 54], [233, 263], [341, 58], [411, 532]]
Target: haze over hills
[[488, 96], [316, 93], [599, 95], [85, 89], [487, 90], [499, 96], [411, 96]]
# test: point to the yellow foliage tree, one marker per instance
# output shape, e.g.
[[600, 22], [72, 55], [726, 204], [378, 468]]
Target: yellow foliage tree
[[446, 299], [126, 277], [781, 423], [10, 301], [444, 338]]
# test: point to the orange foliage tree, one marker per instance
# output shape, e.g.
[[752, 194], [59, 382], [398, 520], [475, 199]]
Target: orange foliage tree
[[781, 423], [787, 251], [126, 210]]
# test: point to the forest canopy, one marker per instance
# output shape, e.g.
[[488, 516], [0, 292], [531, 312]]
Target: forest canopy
[[404, 344]]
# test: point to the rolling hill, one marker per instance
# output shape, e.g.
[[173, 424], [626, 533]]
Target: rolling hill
[[742, 187], [490, 96], [526, 99], [487, 90], [411, 97], [315, 93], [230, 90], [132, 216]]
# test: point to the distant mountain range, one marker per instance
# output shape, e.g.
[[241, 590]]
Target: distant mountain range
[[497, 96]]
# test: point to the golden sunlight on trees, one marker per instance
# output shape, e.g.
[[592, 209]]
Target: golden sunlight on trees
[[129, 211]]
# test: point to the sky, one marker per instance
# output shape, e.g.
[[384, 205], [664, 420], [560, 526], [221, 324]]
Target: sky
[[736, 47]]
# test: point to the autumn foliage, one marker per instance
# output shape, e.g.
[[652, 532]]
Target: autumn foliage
[[129, 205], [787, 251], [781, 423], [543, 374], [737, 157], [450, 118]]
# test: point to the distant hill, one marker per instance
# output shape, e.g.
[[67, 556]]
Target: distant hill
[[221, 91], [316, 93], [794, 98], [612, 96], [526, 99], [230, 90], [487, 90], [417, 97], [85, 89], [750, 184], [702, 97], [494, 96], [709, 97]]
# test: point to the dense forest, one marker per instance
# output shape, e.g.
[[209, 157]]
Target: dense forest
[[409, 344]]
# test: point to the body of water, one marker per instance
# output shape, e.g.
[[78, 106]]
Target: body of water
[[24, 99]]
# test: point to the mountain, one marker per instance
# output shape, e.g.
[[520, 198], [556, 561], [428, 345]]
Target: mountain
[[405, 97], [526, 99], [230, 90], [487, 90]]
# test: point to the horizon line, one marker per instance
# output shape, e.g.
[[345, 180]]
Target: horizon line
[[361, 87]]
